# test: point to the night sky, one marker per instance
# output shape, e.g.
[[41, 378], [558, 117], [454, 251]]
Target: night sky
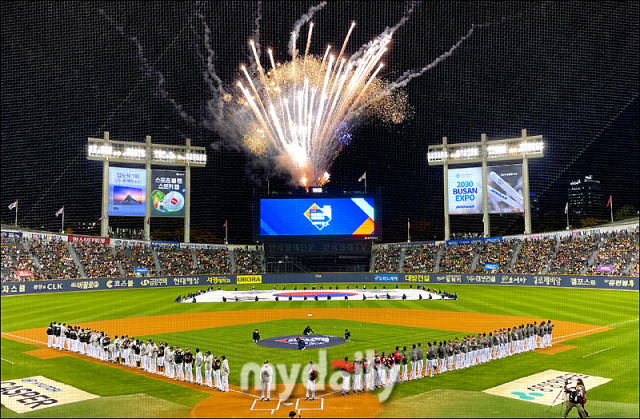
[[71, 70]]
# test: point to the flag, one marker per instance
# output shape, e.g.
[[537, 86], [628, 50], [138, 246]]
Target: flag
[[523, 214], [608, 202], [103, 217], [408, 223], [60, 211], [225, 224], [363, 177], [148, 220], [12, 206], [566, 208]]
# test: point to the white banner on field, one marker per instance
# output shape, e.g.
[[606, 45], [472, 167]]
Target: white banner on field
[[34, 393], [545, 387]]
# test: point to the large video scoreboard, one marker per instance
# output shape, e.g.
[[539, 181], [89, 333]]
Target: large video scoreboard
[[317, 216]]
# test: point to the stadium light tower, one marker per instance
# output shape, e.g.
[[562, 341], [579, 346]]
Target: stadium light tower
[[147, 154], [484, 152]]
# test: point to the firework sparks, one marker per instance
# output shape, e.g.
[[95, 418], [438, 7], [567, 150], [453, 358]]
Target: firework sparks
[[302, 110]]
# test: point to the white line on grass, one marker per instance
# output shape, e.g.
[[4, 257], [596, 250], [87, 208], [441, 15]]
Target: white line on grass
[[598, 352], [592, 330], [20, 337], [6, 360]]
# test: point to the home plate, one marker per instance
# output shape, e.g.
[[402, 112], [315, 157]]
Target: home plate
[[545, 387]]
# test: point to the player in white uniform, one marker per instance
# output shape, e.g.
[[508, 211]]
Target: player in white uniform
[[266, 376], [311, 382], [198, 365]]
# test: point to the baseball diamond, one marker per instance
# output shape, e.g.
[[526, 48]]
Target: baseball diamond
[[312, 209]]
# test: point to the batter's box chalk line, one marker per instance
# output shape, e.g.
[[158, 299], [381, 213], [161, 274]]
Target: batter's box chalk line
[[310, 408], [271, 409]]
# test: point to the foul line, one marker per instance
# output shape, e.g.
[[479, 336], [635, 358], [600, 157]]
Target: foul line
[[593, 330], [20, 337], [598, 352], [6, 360], [247, 394]]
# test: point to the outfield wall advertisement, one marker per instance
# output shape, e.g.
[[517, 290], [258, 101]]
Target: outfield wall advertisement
[[428, 280]]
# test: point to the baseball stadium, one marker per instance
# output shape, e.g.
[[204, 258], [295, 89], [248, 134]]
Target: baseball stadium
[[320, 209]]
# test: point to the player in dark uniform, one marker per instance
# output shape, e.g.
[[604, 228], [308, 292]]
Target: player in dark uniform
[[178, 360], [308, 331], [442, 354], [256, 336], [188, 364], [347, 335]]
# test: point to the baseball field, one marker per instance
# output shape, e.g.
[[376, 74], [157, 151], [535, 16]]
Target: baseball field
[[596, 337]]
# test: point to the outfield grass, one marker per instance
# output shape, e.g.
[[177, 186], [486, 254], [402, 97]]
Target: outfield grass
[[454, 394]]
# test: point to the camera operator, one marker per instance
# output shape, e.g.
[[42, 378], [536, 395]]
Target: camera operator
[[577, 398]]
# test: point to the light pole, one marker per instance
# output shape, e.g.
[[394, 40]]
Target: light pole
[[147, 154], [524, 147]]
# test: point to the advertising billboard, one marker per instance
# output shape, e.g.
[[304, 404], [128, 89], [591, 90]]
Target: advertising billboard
[[317, 217], [127, 191], [167, 193], [504, 189], [465, 191]]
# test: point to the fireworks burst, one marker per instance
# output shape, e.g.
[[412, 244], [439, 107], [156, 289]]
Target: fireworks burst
[[303, 110], [301, 113]]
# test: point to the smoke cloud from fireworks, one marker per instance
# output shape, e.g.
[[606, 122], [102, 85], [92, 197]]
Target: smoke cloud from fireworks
[[296, 116], [298, 25]]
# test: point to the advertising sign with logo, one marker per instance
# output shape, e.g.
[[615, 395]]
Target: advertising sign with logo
[[249, 279], [465, 191], [542, 388], [504, 189], [127, 191], [34, 393], [168, 191], [385, 278]]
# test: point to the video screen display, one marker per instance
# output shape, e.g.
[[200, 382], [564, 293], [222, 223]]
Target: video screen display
[[127, 191], [465, 191], [504, 189], [317, 217], [167, 193]]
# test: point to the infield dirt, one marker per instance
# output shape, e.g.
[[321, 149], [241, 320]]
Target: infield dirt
[[244, 403]]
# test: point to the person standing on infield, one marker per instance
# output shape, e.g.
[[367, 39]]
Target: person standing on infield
[[208, 366], [224, 373], [217, 364], [311, 382], [266, 375], [198, 364]]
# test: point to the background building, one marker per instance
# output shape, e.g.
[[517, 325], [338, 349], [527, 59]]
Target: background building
[[586, 198]]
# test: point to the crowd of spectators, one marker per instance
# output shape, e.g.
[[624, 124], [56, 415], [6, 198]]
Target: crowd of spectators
[[97, 259], [458, 258], [175, 260], [499, 253], [534, 256], [573, 255], [16, 258], [248, 260], [616, 253], [135, 256], [421, 260], [55, 259], [213, 261], [387, 259]]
